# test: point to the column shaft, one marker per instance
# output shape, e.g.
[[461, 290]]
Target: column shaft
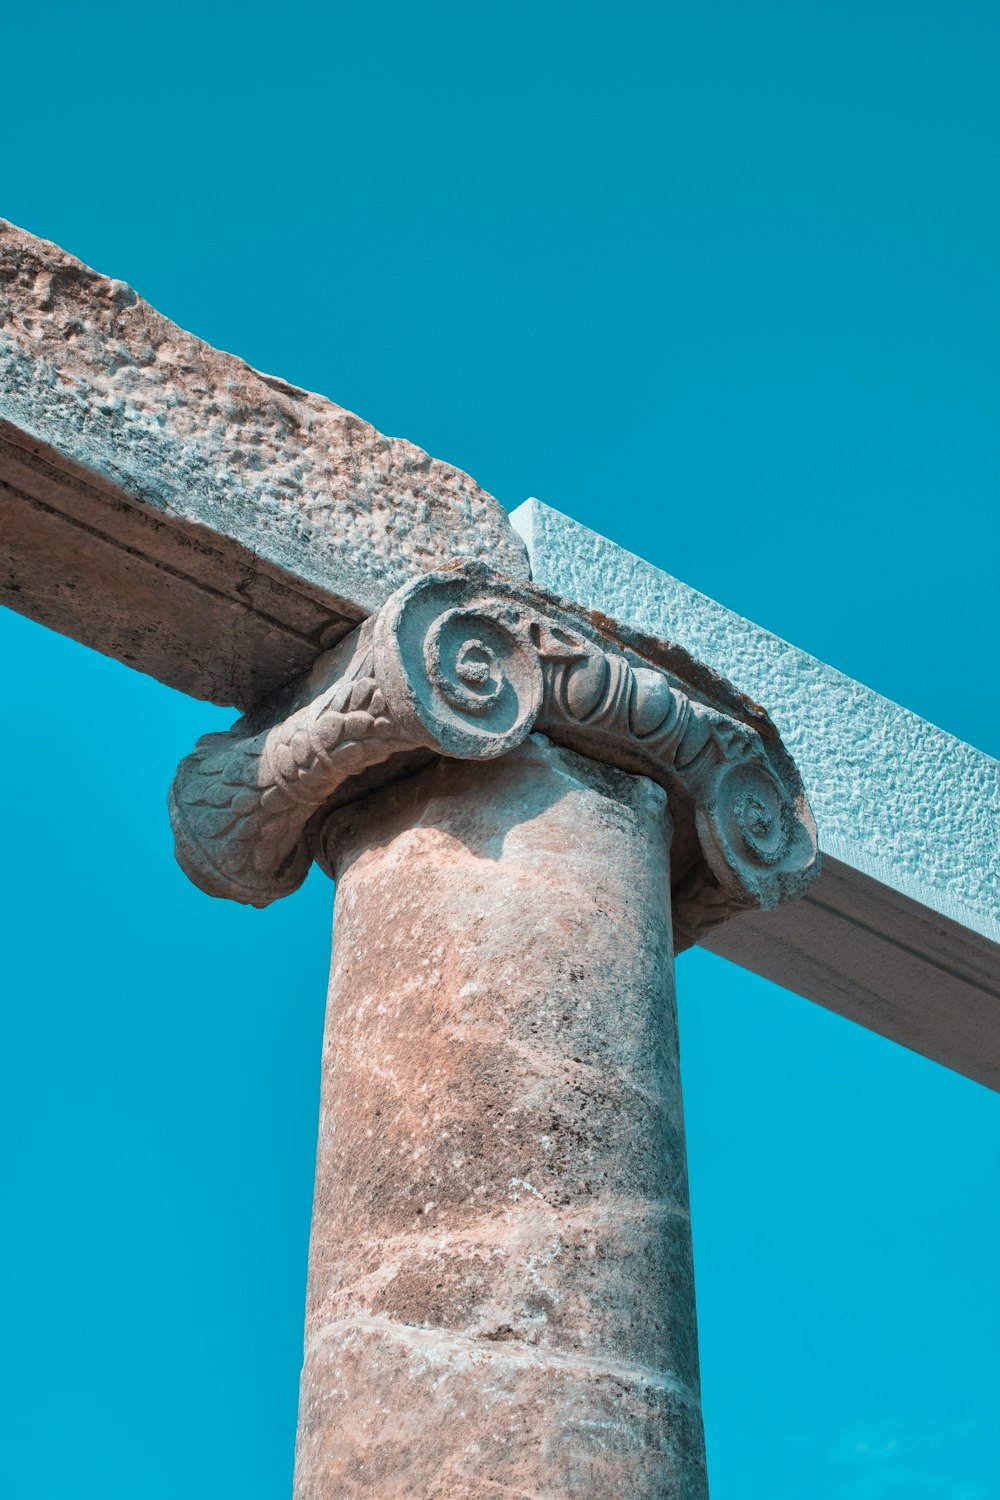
[[501, 1296]]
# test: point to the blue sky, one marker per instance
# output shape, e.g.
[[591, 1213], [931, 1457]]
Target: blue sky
[[720, 282]]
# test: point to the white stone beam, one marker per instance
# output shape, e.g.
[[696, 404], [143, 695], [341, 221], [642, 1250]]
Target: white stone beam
[[901, 931], [172, 507]]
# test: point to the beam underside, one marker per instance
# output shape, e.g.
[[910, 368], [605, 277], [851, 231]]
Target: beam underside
[[203, 615], [880, 959]]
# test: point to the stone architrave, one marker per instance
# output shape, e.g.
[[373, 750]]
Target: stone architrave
[[901, 933], [168, 505], [526, 812]]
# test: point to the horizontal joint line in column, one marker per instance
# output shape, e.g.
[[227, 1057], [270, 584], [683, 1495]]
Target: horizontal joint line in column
[[482, 1230], [445, 1341]]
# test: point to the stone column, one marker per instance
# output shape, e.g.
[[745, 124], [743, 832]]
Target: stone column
[[513, 797], [501, 1294]]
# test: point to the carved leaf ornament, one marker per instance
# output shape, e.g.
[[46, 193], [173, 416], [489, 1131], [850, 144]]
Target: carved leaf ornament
[[466, 665]]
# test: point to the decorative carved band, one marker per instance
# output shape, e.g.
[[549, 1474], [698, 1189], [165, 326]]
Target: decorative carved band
[[465, 665]]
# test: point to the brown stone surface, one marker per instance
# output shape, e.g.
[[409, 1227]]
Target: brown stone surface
[[501, 1295], [170, 506]]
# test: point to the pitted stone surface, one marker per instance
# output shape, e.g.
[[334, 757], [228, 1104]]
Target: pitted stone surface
[[892, 794], [501, 1292], [118, 421]]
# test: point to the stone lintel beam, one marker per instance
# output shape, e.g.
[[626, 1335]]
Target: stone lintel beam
[[168, 505], [901, 932], [465, 664]]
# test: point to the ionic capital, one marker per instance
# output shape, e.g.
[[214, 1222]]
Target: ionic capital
[[464, 664]]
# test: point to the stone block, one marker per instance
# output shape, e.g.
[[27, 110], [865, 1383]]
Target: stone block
[[168, 505]]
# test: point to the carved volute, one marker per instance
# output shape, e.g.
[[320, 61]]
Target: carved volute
[[465, 665]]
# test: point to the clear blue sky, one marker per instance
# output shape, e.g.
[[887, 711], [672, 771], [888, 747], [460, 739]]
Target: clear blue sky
[[719, 280]]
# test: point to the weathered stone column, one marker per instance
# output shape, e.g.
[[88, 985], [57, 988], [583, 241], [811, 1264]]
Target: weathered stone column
[[501, 1296], [512, 797]]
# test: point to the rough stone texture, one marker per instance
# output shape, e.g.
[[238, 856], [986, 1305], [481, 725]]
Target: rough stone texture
[[500, 1291], [170, 506], [901, 931], [465, 664]]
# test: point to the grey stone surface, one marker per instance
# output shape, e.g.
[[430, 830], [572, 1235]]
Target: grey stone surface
[[464, 664], [902, 930], [170, 506], [501, 1297]]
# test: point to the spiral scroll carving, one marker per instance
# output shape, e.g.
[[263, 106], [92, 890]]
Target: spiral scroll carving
[[756, 834], [465, 665], [752, 820], [464, 679]]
